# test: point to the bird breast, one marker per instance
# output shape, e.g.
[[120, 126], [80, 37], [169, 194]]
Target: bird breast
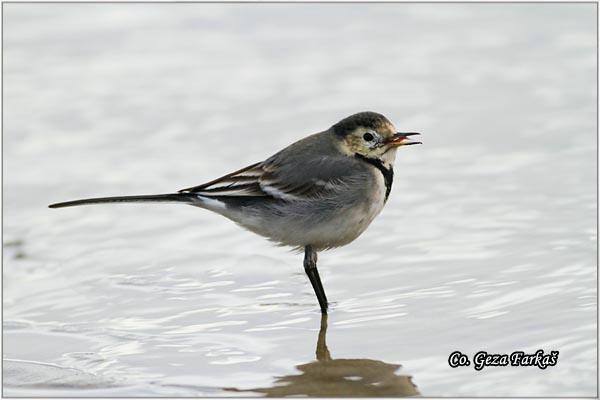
[[334, 223]]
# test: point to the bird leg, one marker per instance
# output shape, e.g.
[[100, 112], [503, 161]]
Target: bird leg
[[310, 267]]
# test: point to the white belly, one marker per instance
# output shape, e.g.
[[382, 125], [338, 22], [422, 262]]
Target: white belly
[[336, 229]]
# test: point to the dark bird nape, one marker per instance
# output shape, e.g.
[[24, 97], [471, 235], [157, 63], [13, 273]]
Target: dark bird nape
[[155, 198]]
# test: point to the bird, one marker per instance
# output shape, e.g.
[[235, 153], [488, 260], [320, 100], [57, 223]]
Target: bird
[[319, 193]]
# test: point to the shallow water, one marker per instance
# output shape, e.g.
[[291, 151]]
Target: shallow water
[[488, 241]]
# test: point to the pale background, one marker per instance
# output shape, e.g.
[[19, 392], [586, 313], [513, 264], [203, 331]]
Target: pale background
[[488, 241]]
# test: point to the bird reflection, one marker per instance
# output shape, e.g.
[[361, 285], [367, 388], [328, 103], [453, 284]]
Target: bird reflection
[[328, 377]]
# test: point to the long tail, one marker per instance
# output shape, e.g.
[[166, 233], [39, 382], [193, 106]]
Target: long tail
[[153, 198]]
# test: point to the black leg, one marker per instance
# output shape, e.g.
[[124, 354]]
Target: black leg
[[310, 267]]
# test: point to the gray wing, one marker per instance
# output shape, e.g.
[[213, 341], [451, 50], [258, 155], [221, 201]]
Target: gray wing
[[243, 182], [299, 172], [319, 177]]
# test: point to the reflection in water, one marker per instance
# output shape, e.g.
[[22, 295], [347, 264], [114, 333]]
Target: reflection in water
[[327, 377]]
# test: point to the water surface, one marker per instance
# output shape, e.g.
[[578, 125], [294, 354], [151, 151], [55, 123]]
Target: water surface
[[487, 242]]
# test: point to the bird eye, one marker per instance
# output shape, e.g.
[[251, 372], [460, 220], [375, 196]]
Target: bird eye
[[368, 136]]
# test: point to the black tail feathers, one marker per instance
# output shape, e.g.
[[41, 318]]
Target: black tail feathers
[[154, 198]]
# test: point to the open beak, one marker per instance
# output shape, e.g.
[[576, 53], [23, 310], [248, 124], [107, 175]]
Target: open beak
[[401, 139]]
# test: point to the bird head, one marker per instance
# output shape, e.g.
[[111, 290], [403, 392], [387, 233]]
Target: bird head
[[370, 135]]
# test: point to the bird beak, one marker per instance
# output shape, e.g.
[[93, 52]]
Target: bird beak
[[401, 139]]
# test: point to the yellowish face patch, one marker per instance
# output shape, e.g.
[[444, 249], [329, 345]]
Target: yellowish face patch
[[369, 142]]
